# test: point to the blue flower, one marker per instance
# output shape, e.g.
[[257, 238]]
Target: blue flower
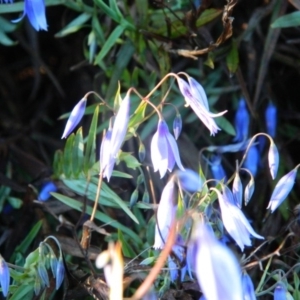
[[234, 220], [164, 150], [248, 288], [114, 139], [271, 119], [217, 269], [237, 189], [165, 214], [47, 188], [36, 13], [189, 180], [280, 292], [241, 122], [4, 276], [273, 159], [177, 126], [282, 189], [60, 273], [75, 117], [195, 97], [178, 251]]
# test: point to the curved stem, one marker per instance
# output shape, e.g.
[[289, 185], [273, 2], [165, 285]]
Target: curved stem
[[97, 197]]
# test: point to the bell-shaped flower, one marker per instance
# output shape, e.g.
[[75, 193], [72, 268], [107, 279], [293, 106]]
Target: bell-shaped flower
[[164, 150], [252, 160], [249, 190], [217, 169], [248, 288], [45, 191], [75, 117], [195, 97], [282, 189], [217, 269], [60, 273], [177, 126], [271, 119], [234, 220], [280, 292], [273, 158], [36, 12], [166, 213], [4, 276], [241, 122], [189, 180], [237, 189], [178, 258], [113, 139]]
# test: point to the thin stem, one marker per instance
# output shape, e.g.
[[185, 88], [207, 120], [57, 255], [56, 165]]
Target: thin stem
[[97, 197], [98, 96]]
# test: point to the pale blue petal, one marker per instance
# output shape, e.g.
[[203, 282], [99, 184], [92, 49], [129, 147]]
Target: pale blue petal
[[217, 269], [282, 189], [35, 11], [271, 119], [189, 180], [4, 276], [172, 147], [165, 214], [159, 153], [120, 126], [75, 117], [248, 288], [237, 189], [198, 92], [273, 158]]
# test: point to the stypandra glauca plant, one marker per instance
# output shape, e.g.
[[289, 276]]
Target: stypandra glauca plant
[[198, 220]]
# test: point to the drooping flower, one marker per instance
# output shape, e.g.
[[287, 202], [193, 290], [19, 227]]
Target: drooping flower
[[75, 117], [248, 288], [165, 214], [195, 97], [280, 292], [234, 220], [36, 12], [249, 190], [273, 158], [241, 122], [174, 262], [114, 138], [4, 276], [189, 180], [177, 126], [282, 189], [47, 188], [252, 160], [237, 189], [217, 269], [60, 273], [164, 150], [271, 119]]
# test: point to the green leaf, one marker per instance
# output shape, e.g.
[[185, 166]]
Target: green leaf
[[232, 58], [130, 161], [89, 157], [77, 155], [107, 10], [126, 248], [207, 16], [138, 116], [110, 42], [5, 40], [99, 215], [225, 125], [74, 26], [58, 163], [67, 158], [15, 202], [289, 20], [148, 261], [23, 292]]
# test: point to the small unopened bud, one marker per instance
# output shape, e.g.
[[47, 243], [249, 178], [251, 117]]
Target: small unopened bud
[[177, 126], [4, 276], [60, 273], [273, 158], [142, 152]]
